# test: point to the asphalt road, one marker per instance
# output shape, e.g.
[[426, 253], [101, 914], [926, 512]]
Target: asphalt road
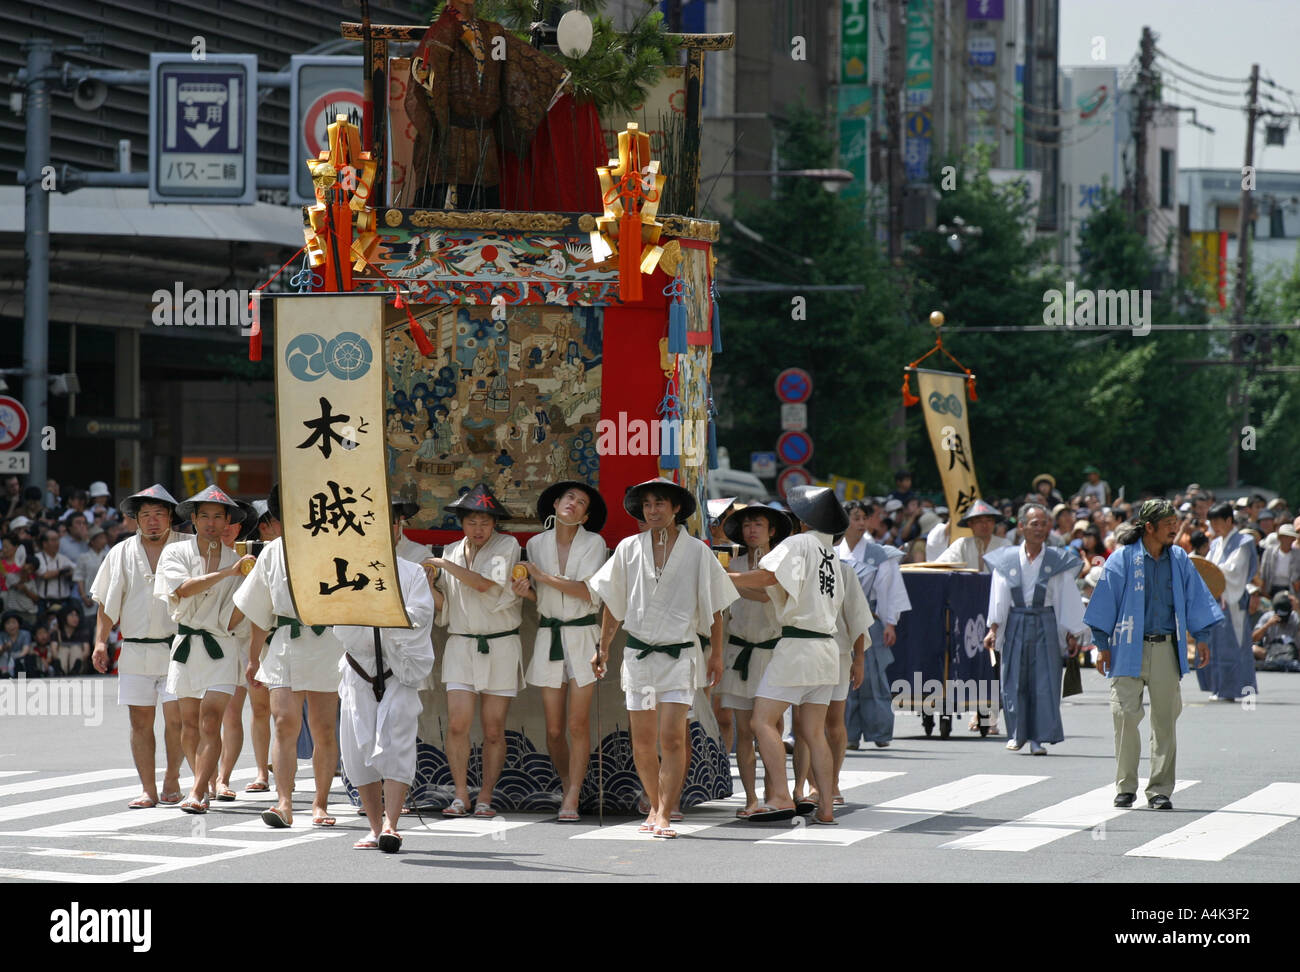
[[925, 809]]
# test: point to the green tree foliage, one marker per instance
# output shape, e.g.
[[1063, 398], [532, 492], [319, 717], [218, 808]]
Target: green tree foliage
[[850, 342]]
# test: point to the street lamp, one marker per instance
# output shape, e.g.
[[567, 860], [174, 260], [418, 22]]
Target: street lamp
[[957, 233]]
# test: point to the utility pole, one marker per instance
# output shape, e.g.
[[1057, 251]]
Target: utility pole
[[1146, 84], [894, 122], [36, 227], [1239, 396]]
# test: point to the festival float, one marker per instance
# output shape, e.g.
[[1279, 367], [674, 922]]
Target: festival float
[[504, 282]]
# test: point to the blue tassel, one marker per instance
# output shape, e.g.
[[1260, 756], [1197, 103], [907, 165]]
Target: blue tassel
[[670, 428], [677, 327], [717, 326], [713, 444]]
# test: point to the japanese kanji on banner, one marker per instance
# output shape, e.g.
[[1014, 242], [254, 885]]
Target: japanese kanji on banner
[[334, 503], [943, 400]]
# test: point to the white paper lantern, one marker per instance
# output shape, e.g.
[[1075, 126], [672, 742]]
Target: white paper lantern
[[574, 34]]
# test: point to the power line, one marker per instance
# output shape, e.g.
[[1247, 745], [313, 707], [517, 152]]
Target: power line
[[1204, 74], [1203, 87], [1204, 100]]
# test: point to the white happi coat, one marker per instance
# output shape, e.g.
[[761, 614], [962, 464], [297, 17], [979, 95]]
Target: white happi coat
[[210, 610], [124, 588], [467, 612], [586, 554], [1062, 597], [855, 616], [966, 551], [807, 595], [667, 611], [377, 739], [307, 663], [936, 541], [408, 549], [754, 621]]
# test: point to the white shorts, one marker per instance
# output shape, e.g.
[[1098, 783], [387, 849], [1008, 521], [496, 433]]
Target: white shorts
[[462, 687], [794, 694], [729, 701], [841, 690], [143, 690], [647, 701]]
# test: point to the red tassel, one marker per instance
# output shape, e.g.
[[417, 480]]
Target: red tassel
[[255, 338], [629, 258], [417, 331], [970, 388], [908, 398]]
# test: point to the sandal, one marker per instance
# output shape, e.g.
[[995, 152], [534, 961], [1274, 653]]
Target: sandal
[[390, 842], [257, 786], [457, 809], [171, 799], [484, 811], [325, 821], [194, 806], [567, 818], [665, 832], [225, 793], [366, 843], [768, 812], [142, 803], [837, 801], [825, 823], [805, 805], [646, 828], [273, 817], [676, 817]]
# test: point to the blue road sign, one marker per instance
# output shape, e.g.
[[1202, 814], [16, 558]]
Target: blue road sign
[[793, 385], [794, 448], [203, 124]]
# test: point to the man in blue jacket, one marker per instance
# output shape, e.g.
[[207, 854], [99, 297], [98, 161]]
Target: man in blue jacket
[[1148, 599]]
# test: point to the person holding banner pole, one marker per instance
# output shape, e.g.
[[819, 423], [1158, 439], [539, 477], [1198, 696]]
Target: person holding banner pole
[[382, 669], [483, 657]]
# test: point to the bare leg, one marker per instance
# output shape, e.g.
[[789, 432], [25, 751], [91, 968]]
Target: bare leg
[[189, 709], [672, 767], [492, 713], [746, 760], [800, 757], [837, 737], [394, 800], [726, 727], [286, 706], [767, 722], [556, 744], [232, 735], [260, 701], [372, 804], [144, 749], [460, 716], [323, 718], [812, 727], [211, 709], [579, 723], [172, 745], [645, 754]]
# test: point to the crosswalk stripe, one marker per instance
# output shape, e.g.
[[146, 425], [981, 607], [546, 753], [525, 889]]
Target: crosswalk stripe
[[47, 877], [56, 782], [100, 855], [719, 812], [906, 810], [76, 801], [1072, 816], [5, 773], [1227, 830]]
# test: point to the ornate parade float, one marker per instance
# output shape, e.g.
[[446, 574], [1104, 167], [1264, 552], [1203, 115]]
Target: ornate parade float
[[507, 284]]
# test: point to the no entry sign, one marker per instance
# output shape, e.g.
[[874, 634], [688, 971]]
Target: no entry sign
[[13, 423], [794, 476]]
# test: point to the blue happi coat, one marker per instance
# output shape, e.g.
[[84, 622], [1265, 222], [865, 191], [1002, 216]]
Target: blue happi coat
[[1031, 648], [1118, 603], [869, 713], [1232, 663]]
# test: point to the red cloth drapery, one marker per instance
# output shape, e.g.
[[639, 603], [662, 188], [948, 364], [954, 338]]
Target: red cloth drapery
[[558, 174]]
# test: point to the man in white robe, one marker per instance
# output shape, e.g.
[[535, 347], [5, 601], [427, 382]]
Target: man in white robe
[[483, 657], [380, 703], [664, 585], [300, 665], [970, 551], [123, 589], [197, 579], [1032, 660], [561, 559], [802, 577], [1230, 674]]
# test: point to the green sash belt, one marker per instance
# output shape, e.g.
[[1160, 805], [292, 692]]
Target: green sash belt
[[146, 641], [182, 652], [789, 632], [746, 650], [555, 624], [483, 639], [295, 627], [643, 649]]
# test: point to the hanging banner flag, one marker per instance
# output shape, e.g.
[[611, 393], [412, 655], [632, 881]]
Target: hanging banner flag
[[943, 400], [329, 411]]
